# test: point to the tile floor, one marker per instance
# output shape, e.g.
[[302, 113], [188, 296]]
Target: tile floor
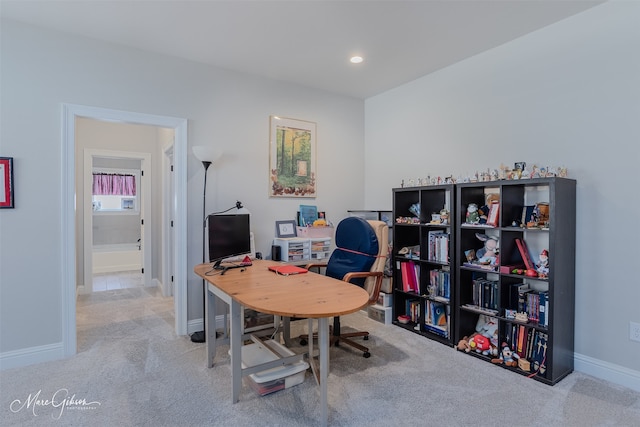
[[117, 280]]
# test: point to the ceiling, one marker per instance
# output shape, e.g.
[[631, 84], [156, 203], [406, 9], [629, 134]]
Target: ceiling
[[305, 42]]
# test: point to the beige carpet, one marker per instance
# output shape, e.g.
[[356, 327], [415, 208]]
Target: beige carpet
[[131, 370]]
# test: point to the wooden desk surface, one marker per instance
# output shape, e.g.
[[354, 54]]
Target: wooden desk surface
[[301, 295]]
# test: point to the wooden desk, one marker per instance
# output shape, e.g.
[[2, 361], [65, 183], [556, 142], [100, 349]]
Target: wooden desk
[[309, 295]]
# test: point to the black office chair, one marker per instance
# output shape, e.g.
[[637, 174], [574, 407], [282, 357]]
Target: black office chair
[[359, 258]]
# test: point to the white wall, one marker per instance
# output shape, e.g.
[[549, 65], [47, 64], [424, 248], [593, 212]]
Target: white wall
[[41, 69], [568, 95]]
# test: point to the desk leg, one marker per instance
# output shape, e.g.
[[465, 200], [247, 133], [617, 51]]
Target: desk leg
[[210, 326], [286, 330], [236, 348], [323, 338]]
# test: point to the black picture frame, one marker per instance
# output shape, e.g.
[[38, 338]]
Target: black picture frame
[[286, 229]]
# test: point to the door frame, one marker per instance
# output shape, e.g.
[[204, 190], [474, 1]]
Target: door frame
[[68, 218], [168, 210], [87, 211]]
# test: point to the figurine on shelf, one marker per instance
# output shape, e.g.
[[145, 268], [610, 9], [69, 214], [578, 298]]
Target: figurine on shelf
[[473, 217], [488, 255], [543, 264], [444, 216]]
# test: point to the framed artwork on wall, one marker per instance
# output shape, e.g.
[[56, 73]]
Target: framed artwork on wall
[[6, 182], [292, 158]]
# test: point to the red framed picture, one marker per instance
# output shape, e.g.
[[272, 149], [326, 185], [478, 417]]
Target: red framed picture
[[6, 182], [492, 218]]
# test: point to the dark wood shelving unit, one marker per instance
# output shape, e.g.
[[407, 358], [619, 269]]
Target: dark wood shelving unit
[[559, 285], [429, 301]]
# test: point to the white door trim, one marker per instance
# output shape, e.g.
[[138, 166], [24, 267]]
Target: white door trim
[[68, 243], [168, 213]]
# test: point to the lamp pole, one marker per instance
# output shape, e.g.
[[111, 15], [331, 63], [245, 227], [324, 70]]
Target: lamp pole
[[200, 336]]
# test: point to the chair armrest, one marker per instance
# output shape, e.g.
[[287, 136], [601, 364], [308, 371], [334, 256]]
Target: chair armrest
[[373, 293], [317, 265]]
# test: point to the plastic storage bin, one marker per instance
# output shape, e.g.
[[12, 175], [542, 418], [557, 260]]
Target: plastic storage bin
[[274, 379], [320, 248], [293, 248]]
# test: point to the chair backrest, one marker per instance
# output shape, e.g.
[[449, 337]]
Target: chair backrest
[[356, 249], [361, 246], [373, 284]]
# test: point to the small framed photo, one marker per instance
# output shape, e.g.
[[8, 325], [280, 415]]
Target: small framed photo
[[6, 182], [127, 204], [492, 218], [286, 229]]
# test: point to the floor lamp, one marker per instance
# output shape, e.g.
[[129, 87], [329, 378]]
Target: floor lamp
[[207, 155]]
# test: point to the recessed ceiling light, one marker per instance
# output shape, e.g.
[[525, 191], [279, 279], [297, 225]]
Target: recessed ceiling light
[[356, 59]]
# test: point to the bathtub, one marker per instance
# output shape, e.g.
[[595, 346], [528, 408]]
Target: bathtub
[[117, 257]]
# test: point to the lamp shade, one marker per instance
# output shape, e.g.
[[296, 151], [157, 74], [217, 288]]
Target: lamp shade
[[206, 153]]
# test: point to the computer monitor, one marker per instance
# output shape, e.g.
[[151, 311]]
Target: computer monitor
[[229, 236]]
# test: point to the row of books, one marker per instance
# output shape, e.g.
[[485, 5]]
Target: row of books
[[436, 318], [410, 272], [413, 310], [440, 283], [534, 303], [485, 293], [438, 249], [530, 344]]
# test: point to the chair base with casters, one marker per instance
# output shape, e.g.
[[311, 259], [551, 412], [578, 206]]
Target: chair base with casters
[[372, 282], [336, 337]]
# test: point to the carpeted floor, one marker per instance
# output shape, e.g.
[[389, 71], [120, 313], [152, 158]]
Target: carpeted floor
[[132, 370]]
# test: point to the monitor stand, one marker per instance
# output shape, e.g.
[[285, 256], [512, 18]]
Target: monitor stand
[[223, 268]]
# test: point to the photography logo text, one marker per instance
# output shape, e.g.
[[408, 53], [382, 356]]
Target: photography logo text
[[60, 401]]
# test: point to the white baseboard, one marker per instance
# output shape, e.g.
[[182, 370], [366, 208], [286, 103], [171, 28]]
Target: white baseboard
[[597, 368], [31, 356], [196, 325], [607, 371], [155, 283]]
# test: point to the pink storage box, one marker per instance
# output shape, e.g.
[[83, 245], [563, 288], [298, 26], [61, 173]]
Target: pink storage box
[[312, 232]]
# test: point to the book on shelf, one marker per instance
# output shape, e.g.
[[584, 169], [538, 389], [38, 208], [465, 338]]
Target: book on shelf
[[539, 352], [439, 284], [439, 313], [410, 273], [438, 330], [413, 309], [544, 309], [485, 293], [524, 253], [520, 346], [438, 249]]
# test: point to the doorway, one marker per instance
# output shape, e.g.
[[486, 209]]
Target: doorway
[[70, 113], [113, 238]]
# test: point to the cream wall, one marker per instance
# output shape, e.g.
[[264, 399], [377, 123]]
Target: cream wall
[[568, 95], [41, 70]]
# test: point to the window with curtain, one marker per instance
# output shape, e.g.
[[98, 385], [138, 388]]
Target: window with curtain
[[115, 191], [114, 184]]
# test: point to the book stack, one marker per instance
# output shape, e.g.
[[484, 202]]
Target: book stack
[[410, 276], [440, 284], [438, 246], [530, 344], [485, 293], [534, 303], [413, 310], [436, 318]]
